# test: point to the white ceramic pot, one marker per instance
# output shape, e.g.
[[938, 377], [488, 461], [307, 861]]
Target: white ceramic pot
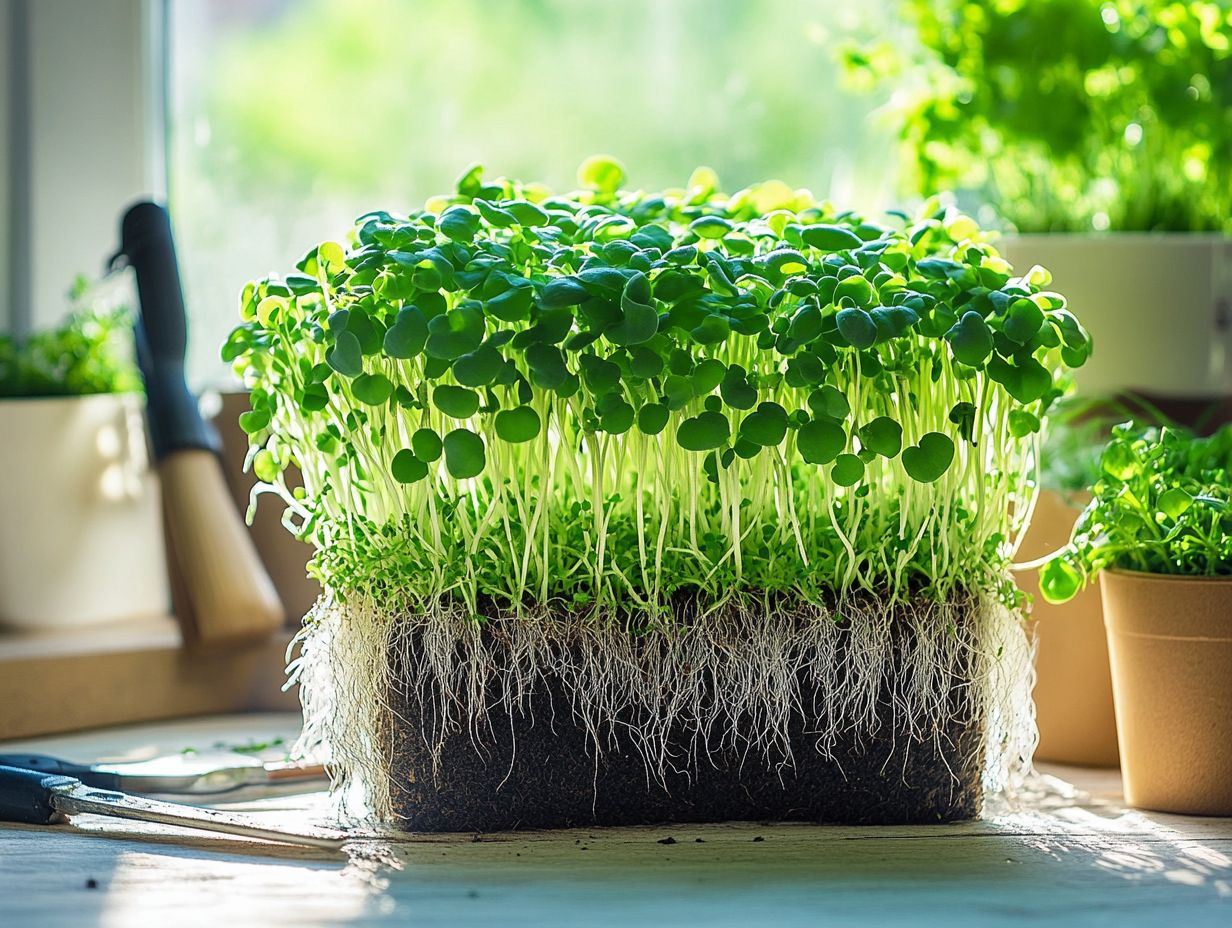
[[80, 514], [1159, 307]]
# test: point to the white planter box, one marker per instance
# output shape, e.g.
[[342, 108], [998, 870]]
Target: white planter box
[[80, 514], [1159, 307]]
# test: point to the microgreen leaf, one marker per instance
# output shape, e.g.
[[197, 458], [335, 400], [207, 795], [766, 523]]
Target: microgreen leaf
[[930, 458]]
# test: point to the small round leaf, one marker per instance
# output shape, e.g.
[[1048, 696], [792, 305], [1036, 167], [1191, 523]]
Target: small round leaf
[[928, 460], [464, 454], [407, 468], [703, 432], [458, 402], [518, 424], [426, 444]]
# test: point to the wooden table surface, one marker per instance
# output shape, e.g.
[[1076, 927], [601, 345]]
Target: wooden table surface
[[1074, 855]]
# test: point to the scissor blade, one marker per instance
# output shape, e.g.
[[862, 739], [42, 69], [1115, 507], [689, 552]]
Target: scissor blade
[[79, 799]]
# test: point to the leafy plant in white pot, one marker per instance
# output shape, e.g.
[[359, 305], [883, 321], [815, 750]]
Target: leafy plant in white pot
[[80, 532], [1098, 132]]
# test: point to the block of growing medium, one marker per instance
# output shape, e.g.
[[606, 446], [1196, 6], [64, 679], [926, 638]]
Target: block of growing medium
[[642, 507]]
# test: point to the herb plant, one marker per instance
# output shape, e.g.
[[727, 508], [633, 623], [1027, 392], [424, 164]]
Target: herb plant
[[1068, 115], [90, 352], [601, 399], [1162, 505]]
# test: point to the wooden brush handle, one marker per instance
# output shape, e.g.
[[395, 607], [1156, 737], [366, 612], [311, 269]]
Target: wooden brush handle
[[229, 596]]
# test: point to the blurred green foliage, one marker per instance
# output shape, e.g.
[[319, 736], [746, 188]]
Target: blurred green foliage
[[1066, 115], [291, 118], [90, 352]]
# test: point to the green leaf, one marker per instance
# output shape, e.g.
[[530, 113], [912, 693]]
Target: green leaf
[[830, 238], [821, 441], [644, 362], [703, 432], [829, 401], [562, 291], [547, 365], [767, 427], [927, 461], [520, 424], [601, 173], [454, 334], [406, 337], [407, 468], [1058, 580], [1022, 423], [735, 389], [713, 227], [882, 435], [616, 416], [1120, 461], [372, 389], [1174, 502], [707, 375], [479, 368], [464, 454], [848, 470], [652, 418], [970, 339], [639, 321], [265, 467], [1026, 381], [527, 214], [426, 444], [856, 326], [253, 421], [1023, 321], [458, 402], [345, 356], [513, 304], [459, 223], [856, 289]]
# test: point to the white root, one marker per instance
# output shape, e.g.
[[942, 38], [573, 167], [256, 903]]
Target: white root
[[731, 674]]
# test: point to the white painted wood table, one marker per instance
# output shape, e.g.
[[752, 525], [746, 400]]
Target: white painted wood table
[[1075, 856]]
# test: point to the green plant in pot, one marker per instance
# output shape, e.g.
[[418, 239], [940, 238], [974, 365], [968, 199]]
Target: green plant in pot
[[1158, 533], [74, 461], [1098, 131], [658, 506]]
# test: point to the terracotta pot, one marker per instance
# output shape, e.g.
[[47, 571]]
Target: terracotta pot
[[283, 555], [1116, 285], [80, 532], [1073, 682], [1170, 639]]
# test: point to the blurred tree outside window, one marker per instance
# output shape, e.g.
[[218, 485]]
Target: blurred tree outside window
[[289, 118]]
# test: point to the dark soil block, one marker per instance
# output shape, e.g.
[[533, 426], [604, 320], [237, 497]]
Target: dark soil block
[[538, 768]]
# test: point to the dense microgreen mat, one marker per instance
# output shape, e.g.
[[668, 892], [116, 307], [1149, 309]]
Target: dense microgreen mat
[[1067, 115], [1162, 504], [599, 399]]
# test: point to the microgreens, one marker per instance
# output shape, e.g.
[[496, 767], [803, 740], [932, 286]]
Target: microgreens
[[603, 398], [1068, 115], [1163, 504]]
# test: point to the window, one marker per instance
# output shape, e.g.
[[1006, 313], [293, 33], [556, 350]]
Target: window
[[289, 118]]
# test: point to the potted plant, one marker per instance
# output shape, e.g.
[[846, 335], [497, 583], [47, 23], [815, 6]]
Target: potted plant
[[635, 507], [1158, 532], [78, 504], [1109, 156]]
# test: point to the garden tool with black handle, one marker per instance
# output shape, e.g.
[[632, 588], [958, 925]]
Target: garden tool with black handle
[[227, 594]]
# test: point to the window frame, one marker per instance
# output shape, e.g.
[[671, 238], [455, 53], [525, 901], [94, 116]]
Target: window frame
[[83, 126]]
